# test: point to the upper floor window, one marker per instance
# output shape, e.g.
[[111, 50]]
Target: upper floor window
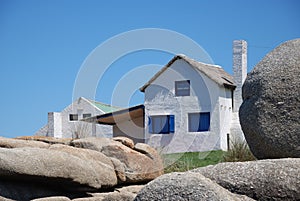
[[199, 122], [87, 115], [182, 88], [162, 124], [73, 117]]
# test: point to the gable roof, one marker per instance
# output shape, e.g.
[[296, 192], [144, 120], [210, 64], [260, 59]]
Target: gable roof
[[214, 72], [104, 107]]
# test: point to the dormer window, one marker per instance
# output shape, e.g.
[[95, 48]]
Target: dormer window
[[182, 88]]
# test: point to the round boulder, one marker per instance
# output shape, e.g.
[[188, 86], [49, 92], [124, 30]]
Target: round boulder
[[270, 112]]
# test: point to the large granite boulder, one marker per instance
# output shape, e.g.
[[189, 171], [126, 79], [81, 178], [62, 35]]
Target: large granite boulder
[[273, 179], [127, 193], [140, 164], [49, 140], [18, 143], [80, 171], [54, 198], [185, 186], [270, 112], [60, 169]]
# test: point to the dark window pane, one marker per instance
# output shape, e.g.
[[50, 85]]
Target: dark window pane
[[86, 115], [182, 88], [73, 117], [199, 122], [204, 121], [163, 124]]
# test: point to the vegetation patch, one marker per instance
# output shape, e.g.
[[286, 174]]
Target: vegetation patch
[[181, 162]]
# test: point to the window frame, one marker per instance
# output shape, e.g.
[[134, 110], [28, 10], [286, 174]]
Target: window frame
[[88, 115], [170, 122], [182, 92], [201, 128], [71, 117]]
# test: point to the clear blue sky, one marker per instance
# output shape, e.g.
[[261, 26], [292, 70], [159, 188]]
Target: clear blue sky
[[44, 43]]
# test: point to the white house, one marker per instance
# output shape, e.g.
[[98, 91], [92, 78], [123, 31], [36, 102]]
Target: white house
[[67, 123], [189, 106]]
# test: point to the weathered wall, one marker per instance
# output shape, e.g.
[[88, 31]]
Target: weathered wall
[[204, 97], [225, 111], [68, 128]]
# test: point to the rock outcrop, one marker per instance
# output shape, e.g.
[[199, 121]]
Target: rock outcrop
[[270, 112], [75, 169], [140, 164], [276, 179], [49, 169], [17, 143], [185, 186]]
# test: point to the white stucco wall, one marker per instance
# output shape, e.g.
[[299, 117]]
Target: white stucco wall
[[225, 108], [204, 97], [55, 124], [68, 128]]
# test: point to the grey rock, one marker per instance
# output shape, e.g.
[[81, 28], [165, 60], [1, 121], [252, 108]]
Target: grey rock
[[126, 141], [270, 112], [59, 167], [141, 164], [49, 140], [93, 143], [273, 179], [12, 189], [183, 187], [17, 143], [119, 169], [54, 198], [111, 196], [127, 193]]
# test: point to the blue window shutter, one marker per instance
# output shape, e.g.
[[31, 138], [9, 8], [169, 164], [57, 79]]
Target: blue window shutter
[[150, 126], [171, 124], [204, 121]]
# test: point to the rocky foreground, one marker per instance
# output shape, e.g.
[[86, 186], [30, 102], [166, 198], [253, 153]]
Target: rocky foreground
[[98, 169], [39, 167]]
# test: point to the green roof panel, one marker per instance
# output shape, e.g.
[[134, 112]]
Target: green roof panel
[[104, 107]]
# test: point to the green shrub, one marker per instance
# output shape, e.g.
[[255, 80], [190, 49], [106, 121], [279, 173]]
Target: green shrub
[[239, 151]]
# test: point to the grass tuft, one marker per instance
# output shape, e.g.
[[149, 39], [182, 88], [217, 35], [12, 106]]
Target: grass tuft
[[239, 152]]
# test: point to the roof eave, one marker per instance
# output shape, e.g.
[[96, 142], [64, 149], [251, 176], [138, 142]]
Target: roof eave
[[229, 86]]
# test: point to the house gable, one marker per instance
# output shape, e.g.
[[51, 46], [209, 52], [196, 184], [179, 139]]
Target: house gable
[[214, 72]]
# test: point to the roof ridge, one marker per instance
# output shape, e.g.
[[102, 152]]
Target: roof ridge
[[212, 71], [103, 103]]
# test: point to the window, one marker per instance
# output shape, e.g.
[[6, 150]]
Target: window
[[199, 122], [86, 115], [73, 117], [163, 124], [182, 88]]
